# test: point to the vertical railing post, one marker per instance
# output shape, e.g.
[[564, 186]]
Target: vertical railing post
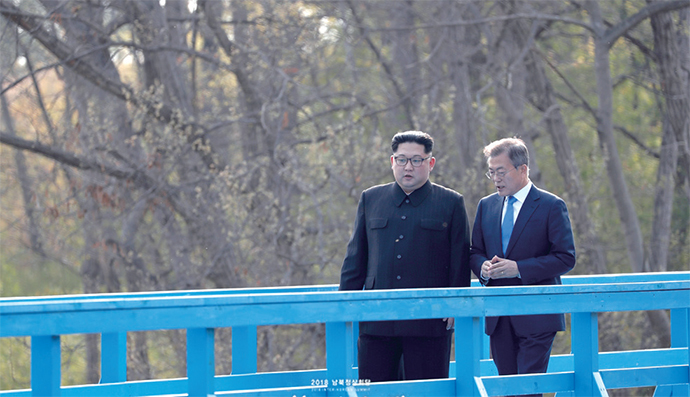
[[340, 352], [680, 337], [485, 340], [585, 347], [45, 365], [680, 327], [201, 363], [355, 351], [113, 357], [244, 350], [468, 353]]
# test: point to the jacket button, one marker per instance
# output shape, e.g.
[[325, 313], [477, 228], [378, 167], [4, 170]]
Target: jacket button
[[398, 277], [403, 217], [401, 237], [399, 256]]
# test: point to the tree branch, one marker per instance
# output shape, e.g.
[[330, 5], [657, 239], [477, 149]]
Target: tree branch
[[73, 160], [502, 18], [62, 51], [160, 111], [137, 177], [648, 11], [386, 67], [572, 88], [637, 141]]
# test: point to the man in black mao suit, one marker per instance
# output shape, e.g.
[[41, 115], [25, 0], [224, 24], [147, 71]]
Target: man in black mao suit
[[410, 233], [538, 251]]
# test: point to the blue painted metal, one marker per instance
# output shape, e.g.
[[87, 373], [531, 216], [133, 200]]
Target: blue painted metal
[[340, 359], [244, 350], [113, 357], [585, 372], [585, 347], [201, 363], [680, 338], [599, 385], [467, 355], [559, 382], [646, 376], [45, 365]]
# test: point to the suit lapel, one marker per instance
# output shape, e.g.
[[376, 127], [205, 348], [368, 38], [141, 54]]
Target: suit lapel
[[528, 207]]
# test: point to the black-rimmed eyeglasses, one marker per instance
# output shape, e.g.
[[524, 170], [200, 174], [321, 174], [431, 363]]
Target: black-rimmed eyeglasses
[[416, 161]]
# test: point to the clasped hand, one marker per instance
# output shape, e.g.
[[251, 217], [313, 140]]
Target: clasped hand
[[499, 268]]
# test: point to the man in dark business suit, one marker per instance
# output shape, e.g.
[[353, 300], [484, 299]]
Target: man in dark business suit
[[410, 233], [538, 251]]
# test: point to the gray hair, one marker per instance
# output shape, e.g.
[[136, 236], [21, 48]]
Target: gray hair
[[515, 147]]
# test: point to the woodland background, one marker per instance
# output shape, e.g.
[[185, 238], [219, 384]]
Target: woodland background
[[182, 144]]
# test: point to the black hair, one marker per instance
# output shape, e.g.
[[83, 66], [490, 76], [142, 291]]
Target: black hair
[[419, 137]]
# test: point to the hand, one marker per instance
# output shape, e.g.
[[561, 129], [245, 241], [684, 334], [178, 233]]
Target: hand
[[486, 270], [450, 322], [500, 268]]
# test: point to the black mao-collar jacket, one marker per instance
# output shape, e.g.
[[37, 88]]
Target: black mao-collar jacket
[[400, 241]]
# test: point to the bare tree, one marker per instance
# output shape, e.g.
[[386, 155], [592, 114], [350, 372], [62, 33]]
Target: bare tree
[[675, 150], [226, 145], [603, 40]]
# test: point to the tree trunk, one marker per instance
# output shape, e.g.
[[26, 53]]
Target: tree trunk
[[624, 204], [510, 88], [29, 198], [590, 254], [389, 72], [463, 47], [674, 148], [406, 54], [671, 48], [138, 364], [161, 67], [674, 85], [628, 216]]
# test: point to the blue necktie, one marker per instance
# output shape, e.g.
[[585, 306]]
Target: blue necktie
[[507, 226]]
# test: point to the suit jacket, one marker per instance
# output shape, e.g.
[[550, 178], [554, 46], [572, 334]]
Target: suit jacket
[[541, 243], [416, 241]]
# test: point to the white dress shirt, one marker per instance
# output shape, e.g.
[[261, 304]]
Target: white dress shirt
[[520, 198]]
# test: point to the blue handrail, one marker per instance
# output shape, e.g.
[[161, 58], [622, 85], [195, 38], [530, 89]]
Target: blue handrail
[[584, 372]]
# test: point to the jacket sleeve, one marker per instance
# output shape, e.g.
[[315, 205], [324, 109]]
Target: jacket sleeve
[[560, 257], [460, 246], [478, 248], [354, 270]]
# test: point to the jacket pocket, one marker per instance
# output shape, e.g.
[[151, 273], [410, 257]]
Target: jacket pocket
[[434, 224], [378, 223]]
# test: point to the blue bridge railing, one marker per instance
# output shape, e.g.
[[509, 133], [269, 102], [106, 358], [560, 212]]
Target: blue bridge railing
[[583, 372]]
